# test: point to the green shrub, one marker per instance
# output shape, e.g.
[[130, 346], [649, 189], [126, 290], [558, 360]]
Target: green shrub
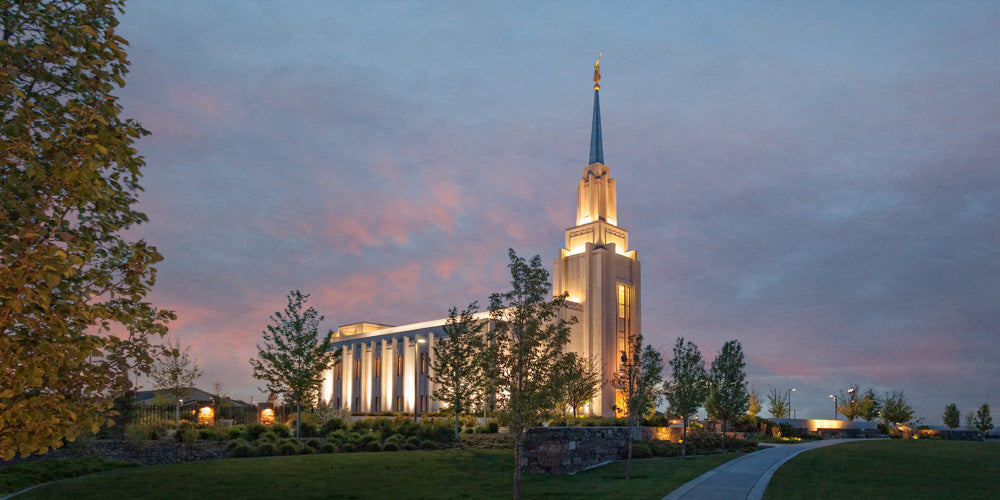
[[242, 449], [487, 441], [207, 433], [641, 450], [348, 448], [187, 435], [281, 430], [331, 425], [411, 443], [665, 448], [288, 447], [237, 432], [493, 427], [266, 448], [255, 430], [338, 436], [314, 443], [428, 444], [436, 431], [329, 448], [230, 446], [362, 425], [137, 435], [404, 426]]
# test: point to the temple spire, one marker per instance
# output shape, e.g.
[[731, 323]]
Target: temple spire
[[596, 143]]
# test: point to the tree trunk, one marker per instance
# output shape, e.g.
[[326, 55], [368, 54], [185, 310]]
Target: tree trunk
[[298, 420], [684, 433], [456, 424], [628, 463], [518, 445], [724, 434]]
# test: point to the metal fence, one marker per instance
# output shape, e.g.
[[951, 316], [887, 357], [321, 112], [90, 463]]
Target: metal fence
[[238, 414]]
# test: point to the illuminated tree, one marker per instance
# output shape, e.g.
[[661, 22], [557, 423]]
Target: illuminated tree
[[777, 404], [727, 394], [582, 379], [983, 422], [293, 358], [175, 372], [895, 409], [457, 370], [870, 405], [754, 403], [69, 179], [687, 388], [952, 417], [526, 347], [849, 403], [639, 381]]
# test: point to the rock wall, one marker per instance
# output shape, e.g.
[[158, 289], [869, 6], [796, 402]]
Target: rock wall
[[565, 450]]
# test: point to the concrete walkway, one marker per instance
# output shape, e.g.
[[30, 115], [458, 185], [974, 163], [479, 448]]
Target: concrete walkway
[[745, 477]]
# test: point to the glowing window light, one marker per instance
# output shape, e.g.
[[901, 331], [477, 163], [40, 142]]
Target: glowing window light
[[267, 416], [206, 415]]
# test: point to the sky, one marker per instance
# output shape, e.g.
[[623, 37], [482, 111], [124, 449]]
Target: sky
[[818, 180]]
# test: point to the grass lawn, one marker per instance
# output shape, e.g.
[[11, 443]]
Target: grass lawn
[[904, 468], [410, 474]]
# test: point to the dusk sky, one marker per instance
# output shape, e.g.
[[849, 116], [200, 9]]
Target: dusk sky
[[819, 180]]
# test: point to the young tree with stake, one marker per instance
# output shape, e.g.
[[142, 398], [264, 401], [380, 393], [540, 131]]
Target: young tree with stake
[[727, 396], [293, 357], [639, 381], [526, 347], [174, 373], [687, 390], [457, 369]]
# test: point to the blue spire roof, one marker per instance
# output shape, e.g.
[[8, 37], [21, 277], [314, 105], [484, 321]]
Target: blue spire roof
[[596, 143]]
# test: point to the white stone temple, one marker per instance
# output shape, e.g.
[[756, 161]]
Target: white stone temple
[[386, 368]]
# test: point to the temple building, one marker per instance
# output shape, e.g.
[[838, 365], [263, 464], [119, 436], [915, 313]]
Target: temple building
[[387, 368]]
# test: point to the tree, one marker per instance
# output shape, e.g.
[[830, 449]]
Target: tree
[[754, 403], [777, 404], [526, 347], [175, 372], [727, 396], [293, 358], [849, 404], [456, 367], [983, 422], [638, 380], [69, 178], [582, 380], [895, 409], [870, 405], [686, 391], [952, 417]]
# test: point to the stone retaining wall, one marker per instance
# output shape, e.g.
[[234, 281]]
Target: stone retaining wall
[[565, 450]]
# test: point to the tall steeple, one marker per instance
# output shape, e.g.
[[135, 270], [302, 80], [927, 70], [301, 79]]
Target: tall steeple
[[598, 271], [596, 143]]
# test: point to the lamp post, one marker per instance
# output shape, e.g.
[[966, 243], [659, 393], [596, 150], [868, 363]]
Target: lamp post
[[850, 399], [789, 398], [834, 406], [177, 413], [416, 377]]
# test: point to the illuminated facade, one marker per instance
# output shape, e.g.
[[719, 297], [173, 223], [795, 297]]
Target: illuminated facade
[[387, 368]]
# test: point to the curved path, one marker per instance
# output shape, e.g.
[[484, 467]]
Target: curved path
[[745, 477]]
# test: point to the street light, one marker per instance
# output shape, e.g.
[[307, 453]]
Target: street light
[[789, 392], [834, 406], [416, 377]]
